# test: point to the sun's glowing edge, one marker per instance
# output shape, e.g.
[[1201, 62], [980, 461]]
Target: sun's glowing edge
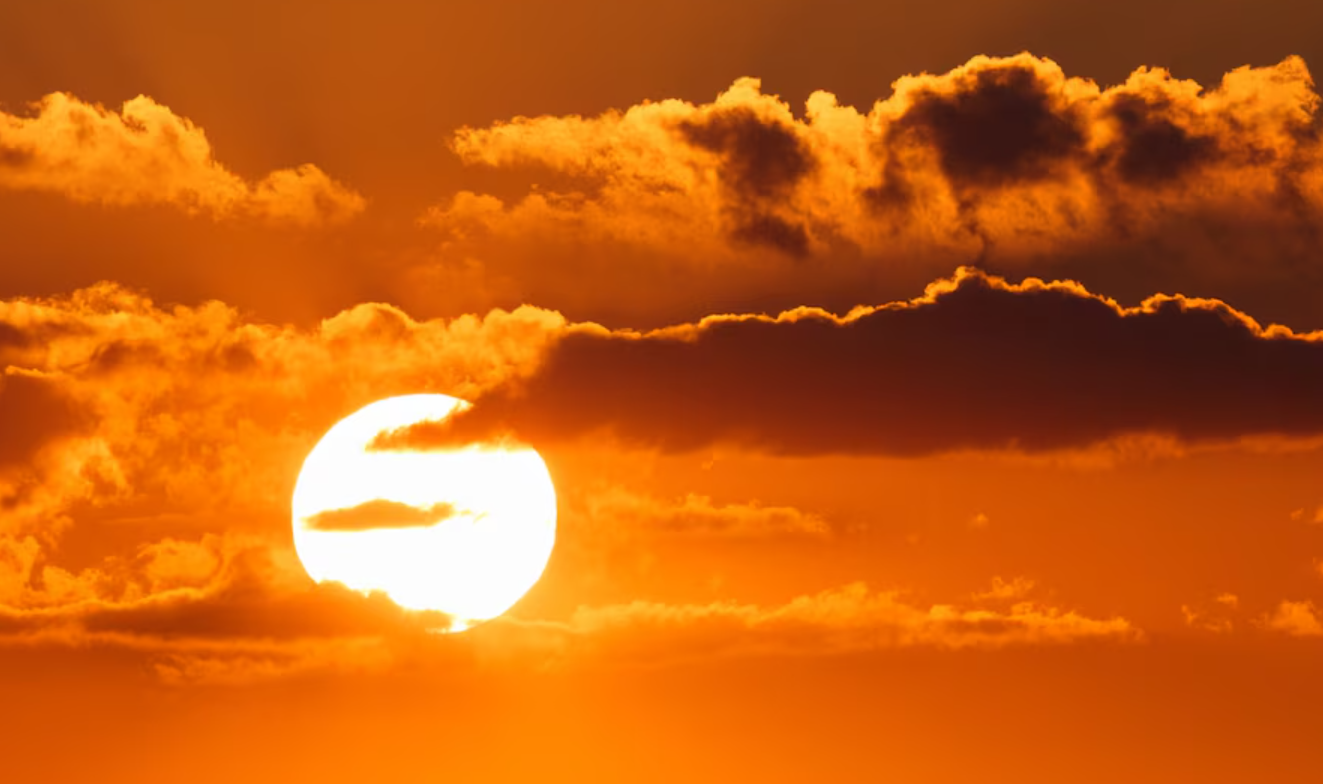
[[472, 567]]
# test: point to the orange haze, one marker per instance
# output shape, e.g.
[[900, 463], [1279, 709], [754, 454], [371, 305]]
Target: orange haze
[[915, 414]]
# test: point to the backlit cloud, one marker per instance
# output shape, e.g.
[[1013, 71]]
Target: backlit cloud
[[977, 363]]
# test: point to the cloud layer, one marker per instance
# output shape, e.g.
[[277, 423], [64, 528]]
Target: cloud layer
[[848, 619]]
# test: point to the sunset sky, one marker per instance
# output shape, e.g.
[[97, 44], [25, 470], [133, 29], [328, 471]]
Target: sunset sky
[[932, 391]]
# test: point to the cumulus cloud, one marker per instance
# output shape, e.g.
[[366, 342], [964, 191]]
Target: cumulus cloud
[[1004, 162], [984, 153], [146, 154], [192, 423], [114, 398], [976, 363]]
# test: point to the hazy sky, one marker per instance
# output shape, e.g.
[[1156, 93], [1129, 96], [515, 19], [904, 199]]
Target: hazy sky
[[930, 389]]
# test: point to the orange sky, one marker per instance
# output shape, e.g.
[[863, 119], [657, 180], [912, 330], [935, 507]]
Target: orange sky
[[929, 388]]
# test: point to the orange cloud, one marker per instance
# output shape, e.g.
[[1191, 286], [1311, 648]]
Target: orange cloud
[[252, 627], [1000, 151], [851, 618], [1006, 590], [1007, 163], [1298, 619], [31, 586], [219, 610], [112, 397], [227, 610], [197, 419], [192, 421], [618, 509], [146, 154], [1214, 617]]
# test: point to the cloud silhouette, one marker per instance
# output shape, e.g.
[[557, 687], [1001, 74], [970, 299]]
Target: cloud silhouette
[[977, 363], [379, 513]]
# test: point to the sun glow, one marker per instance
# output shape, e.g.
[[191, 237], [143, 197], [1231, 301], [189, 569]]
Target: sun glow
[[462, 531]]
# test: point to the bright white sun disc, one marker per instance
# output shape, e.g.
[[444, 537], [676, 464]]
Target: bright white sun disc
[[462, 531]]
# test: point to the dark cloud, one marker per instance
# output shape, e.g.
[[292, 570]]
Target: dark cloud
[[1154, 147], [762, 160], [379, 513], [979, 363], [999, 126]]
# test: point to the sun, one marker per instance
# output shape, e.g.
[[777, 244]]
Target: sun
[[463, 531]]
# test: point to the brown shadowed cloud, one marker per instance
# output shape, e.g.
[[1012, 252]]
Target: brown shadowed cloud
[[379, 513], [760, 165], [993, 125], [146, 154], [976, 363]]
